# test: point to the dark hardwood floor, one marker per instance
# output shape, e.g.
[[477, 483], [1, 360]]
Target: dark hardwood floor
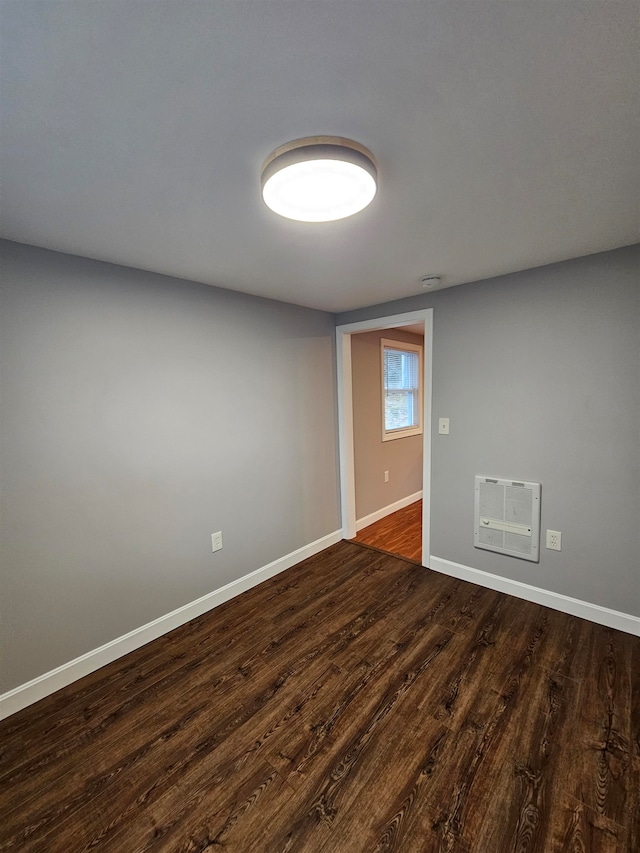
[[356, 702], [398, 533]]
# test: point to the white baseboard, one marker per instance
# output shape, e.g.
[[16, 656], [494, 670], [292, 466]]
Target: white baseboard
[[557, 601], [387, 510], [26, 694]]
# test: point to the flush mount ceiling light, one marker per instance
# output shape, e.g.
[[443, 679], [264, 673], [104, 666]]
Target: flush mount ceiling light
[[319, 179]]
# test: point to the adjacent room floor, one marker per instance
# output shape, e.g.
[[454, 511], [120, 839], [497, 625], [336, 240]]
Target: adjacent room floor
[[399, 533], [357, 702]]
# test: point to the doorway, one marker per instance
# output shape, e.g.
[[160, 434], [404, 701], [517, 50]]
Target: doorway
[[345, 415]]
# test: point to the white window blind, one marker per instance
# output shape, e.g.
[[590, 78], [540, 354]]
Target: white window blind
[[401, 389]]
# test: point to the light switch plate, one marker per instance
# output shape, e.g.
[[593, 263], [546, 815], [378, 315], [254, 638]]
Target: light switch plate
[[443, 426]]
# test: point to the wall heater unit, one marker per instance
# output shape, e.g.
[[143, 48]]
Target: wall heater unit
[[507, 517]]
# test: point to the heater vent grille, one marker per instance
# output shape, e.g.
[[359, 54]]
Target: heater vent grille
[[507, 517]]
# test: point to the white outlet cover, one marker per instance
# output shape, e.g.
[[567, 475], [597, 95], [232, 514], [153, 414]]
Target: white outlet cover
[[554, 540]]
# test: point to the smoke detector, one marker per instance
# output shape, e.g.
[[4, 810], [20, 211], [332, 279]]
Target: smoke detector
[[429, 281]]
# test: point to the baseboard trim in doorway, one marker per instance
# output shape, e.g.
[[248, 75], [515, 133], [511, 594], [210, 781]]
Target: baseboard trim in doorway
[[387, 510], [44, 685], [574, 606]]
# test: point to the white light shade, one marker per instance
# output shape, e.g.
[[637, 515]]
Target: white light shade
[[319, 179]]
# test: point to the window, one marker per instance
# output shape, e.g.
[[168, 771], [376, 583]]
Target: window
[[401, 389]]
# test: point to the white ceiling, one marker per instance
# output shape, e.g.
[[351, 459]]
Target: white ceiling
[[506, 135]]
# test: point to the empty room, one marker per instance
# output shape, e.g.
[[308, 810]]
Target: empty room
[[319, 426]]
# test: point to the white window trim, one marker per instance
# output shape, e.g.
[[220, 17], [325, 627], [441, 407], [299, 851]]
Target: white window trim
[[391, 435]]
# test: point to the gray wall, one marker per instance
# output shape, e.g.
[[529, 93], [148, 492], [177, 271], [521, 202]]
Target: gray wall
[[402, 458], [140, 414], [539, 372]]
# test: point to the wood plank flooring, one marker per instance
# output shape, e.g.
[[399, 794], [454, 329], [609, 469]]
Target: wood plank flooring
[[398, 533], [355, 703]]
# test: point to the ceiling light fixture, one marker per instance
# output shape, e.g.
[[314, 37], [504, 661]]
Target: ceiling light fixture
[[319, 179]]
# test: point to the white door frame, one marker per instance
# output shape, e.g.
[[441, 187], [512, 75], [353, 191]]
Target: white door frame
[[345, 417]]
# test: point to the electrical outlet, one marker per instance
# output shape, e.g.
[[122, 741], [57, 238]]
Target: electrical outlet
[[216, 541], [554, 540], [386, 476]]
